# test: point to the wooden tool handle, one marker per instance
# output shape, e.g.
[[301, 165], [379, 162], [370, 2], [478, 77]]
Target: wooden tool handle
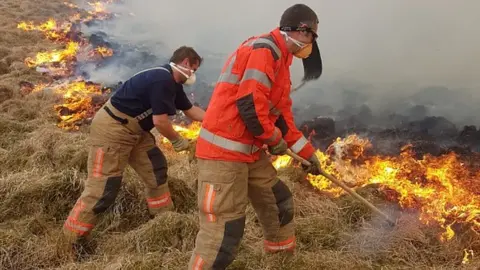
[[341, 184]]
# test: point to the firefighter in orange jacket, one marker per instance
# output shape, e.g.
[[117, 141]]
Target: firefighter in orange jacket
[[251, 107]]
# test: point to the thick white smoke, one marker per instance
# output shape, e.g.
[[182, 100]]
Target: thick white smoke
[[386, 51]]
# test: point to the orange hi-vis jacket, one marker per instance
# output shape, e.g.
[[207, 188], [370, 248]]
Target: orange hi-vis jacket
[[250, 105]]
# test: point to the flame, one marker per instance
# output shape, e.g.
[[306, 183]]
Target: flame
[[77, 104], [98, 7], [190, 132], [439, 187], [282, 162], [51, 29], [467, 254], [99, 10], [104, 51], [55, 56]]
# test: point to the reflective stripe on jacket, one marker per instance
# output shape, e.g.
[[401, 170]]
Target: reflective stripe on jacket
[[251, 105]]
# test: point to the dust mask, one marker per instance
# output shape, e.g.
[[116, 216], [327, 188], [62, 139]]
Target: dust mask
[[190, 79], [305, 49]]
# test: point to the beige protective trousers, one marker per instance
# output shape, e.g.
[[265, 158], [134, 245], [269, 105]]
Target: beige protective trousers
[[224, 189], [113, 145]]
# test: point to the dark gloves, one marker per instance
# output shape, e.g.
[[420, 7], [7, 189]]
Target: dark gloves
[[314, 168], [279, 149]]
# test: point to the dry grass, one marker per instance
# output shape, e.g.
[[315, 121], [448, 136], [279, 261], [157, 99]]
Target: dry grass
[[41, 173]]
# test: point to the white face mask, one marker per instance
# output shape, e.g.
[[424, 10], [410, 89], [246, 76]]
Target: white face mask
[[296, 42], [190, 79]]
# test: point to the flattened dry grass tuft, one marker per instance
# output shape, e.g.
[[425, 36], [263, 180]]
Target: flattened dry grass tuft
[[166, 231]]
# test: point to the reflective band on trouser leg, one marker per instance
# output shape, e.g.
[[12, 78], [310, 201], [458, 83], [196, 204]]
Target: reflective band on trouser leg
[[208, 200], [98, 162], [78, 227], [288, 244], [72, 224], [198, 263], [222, 202], [227, 143], [299, 144], [159, 202]]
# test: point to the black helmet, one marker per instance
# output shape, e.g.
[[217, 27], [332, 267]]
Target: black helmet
[[298, 17]]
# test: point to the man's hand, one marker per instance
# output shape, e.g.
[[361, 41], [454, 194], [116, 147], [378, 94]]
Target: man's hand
[[314, 168], [180, 144], [279, 149]]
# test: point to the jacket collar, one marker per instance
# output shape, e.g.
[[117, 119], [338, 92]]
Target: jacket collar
[[282, 45]]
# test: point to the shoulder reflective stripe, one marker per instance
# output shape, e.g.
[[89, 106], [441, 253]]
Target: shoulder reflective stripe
[[151, 69], [227, 143], [269, 44], [144, 115], [299, 144], [227, 76], [257, 75]]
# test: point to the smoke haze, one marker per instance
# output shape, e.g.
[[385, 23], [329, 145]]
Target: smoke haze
[[387, 54]]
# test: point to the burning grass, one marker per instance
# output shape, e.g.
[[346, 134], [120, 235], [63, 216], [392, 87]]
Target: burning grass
[[42, 168]]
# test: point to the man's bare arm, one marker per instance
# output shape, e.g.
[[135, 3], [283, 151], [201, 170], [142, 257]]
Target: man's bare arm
[[164, 126], [195, 113]]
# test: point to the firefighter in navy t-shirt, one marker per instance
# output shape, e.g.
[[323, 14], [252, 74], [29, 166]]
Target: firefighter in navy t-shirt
[[120, 135]]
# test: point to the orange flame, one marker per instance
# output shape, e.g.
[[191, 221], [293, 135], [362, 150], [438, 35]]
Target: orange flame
[[77, 104], [442, 188], [104, 51], [190, 132], [51, 29], [55, 56], [439, 187]]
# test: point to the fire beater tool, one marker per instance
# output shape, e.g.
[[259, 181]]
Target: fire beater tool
[[343, 186]]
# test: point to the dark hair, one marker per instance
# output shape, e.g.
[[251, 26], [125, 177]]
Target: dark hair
[[298, 14], [186, 52]]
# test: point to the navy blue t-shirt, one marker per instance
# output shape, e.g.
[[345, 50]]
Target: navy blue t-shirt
[[152, 91]]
